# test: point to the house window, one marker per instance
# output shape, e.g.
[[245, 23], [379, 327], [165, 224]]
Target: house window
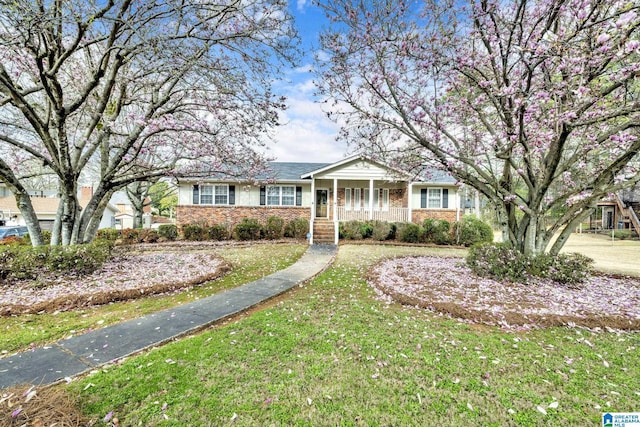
[[347, 199], [214, 194], [288, 196], [281, 195], [206, 194], [434, 198], [385, 199], [356, 198], [366, 198], [221, 195]]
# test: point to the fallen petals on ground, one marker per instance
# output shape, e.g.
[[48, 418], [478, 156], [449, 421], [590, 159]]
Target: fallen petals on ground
[[447, 285], [124, 277]]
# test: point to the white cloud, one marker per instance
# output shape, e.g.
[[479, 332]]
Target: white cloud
[[302, 4], [307, 134]]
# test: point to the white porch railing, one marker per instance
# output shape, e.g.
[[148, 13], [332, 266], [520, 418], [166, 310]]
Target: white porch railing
[[390, 214]]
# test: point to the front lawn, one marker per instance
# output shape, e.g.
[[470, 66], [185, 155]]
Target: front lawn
[[247, 262], [332, 353]]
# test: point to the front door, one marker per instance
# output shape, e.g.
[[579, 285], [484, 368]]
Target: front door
[[322, 202]]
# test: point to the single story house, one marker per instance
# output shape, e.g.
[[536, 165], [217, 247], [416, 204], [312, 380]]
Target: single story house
[[355, 188]]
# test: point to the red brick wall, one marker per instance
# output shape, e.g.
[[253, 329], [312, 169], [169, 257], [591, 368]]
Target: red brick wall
[[232, 215], [419, 215]]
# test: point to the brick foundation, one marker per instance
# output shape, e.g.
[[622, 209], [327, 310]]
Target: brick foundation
[[232, 215], [419, 215]]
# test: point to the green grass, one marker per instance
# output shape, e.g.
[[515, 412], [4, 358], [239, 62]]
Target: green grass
[[331, 354], [249, 263]]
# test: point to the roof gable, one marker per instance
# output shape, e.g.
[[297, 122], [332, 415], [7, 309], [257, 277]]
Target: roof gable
[[358, 167]]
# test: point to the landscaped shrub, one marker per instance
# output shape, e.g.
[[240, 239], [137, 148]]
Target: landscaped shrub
[[110, 234], [27, 262], [131, 235], [408, 232], [380, 230], [148, 235], [194, 232], [436, 231], [168, 231], [274, 229], [218, 232], [366, 229], [471, 230], [501, 261], [297, 228], [248, 229], [351, 230], [80, 259]]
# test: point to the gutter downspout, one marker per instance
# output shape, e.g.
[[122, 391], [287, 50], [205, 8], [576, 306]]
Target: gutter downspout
[[313, 208]]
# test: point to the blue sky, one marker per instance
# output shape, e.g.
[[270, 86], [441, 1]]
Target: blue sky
[[307, 135]]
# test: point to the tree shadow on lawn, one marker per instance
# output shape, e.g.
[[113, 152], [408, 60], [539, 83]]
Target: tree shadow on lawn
[[447, 286]]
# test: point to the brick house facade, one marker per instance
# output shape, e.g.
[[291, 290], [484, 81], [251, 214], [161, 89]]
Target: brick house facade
[[365, 189]]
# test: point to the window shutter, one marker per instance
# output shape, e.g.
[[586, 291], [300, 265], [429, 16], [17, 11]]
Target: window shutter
[[423, 198], [196, 194], [298, 196], [232, 194], [263, 195], [445, 198]]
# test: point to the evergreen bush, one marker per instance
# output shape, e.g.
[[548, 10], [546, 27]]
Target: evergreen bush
[[502, 262], [471, 231], [380, 230], [274, 229], [168, 231], [218, 232], [297, 228], [193, 232], [351, 230], [436, 231], [248, 229], [408, 232]]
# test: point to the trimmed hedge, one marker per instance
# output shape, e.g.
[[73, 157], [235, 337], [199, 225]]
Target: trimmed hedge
[[248, 229], [297, 228]]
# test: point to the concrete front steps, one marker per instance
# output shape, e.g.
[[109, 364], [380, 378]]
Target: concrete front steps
[[323, 231]]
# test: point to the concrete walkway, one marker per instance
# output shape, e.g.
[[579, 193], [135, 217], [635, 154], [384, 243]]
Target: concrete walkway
[[79, 354]]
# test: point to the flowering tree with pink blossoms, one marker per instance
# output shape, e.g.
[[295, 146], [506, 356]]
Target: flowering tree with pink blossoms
[[121, 91], [536, 104]]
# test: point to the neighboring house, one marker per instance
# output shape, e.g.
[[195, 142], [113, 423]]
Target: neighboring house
[[355, 188], [124, 218], [46, 208], [620, 211]]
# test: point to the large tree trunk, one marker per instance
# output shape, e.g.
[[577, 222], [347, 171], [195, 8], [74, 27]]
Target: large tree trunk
[[23, 201]]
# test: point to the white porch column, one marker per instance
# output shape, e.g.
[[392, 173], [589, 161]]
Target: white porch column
[[313, 208], [335, 211], [370, 199], [409, 201], [458, 205], [477, 203]]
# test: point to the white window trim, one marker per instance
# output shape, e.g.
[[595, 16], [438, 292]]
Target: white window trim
[[281, 196], [226, 194], [439, 198]]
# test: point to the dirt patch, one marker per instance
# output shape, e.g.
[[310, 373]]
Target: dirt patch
[[447, 286]]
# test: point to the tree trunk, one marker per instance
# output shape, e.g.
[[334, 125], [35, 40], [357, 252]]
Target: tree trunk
[[31, 220]]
